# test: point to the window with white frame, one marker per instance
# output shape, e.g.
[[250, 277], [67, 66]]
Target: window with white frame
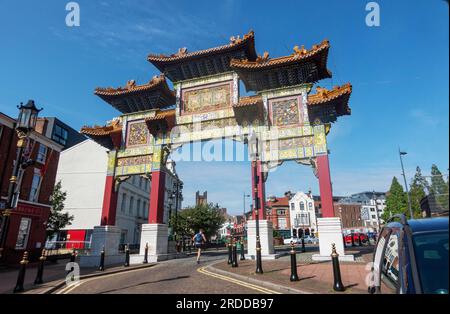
[[24, 232], [302, 206], [42, 154], [35, 186], [292, 206]]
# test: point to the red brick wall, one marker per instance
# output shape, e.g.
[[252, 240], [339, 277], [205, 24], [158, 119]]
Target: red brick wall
[[7, 155], [37, 213]]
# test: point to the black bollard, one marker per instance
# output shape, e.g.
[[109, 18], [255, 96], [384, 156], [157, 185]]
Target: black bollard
[[242, 250], [303, 245], [259, 269], [359, 239], [22, 271], [294, 275], [230, 254], [146, 254], [337, 285], [127, 256], [101, 267], [40, 270], [72, 260], [235, 262], [353, 240]]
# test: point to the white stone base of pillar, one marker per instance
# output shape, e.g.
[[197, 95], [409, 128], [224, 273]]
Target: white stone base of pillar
[[159, 246], [265, 237], [330, 231], [107, 237], [157, 237]]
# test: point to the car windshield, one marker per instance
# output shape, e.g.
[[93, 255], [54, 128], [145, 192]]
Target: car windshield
[[432, 261]]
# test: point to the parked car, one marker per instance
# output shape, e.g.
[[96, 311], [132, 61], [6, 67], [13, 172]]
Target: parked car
[[311, 240], [289, 240], [361, 236], [411, 257]]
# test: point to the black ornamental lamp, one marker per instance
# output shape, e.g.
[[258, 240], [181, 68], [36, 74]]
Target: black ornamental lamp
[[27, 116]]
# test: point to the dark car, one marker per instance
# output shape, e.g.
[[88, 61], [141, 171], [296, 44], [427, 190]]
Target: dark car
[[411, 257]]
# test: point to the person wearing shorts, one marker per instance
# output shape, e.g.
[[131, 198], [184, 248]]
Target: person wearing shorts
[[199, 239]]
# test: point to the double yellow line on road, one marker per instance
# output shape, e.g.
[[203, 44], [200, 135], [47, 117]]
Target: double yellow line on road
[[73, 286], [203, 270]]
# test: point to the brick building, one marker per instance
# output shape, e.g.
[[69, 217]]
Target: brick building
[[27, 227], [350, 215], [277, 210]]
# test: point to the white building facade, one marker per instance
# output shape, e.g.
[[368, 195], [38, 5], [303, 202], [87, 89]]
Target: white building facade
[[82, 171], [302, 214]]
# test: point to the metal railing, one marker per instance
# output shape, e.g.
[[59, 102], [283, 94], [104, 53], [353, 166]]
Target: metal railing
[[63, 249]]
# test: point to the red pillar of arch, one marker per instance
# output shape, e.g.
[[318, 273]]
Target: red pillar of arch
[[157, 191], [326, 193], [258, 186], [109, 203]]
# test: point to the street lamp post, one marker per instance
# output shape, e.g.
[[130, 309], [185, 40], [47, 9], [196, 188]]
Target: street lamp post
[[245, 219], [253, 146], [26, 122], [406, 184]]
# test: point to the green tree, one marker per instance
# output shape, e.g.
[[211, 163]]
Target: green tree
[[419, 187], [439, 189], [396, 200], [58, 219], [191, 219]]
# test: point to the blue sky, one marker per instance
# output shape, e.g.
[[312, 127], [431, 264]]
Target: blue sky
[[399, 73]]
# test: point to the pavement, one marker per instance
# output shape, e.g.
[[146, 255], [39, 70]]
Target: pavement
[[314, 277], [54, 276], [212, 276]]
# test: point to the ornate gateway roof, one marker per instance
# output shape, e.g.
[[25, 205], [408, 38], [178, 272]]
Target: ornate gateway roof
[[303, 66], [108, 136], [326, 105], [163, 121], [133, 98], [185, 65]]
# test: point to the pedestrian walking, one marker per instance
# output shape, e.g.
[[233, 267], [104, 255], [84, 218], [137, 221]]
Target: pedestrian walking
[[199, 239]]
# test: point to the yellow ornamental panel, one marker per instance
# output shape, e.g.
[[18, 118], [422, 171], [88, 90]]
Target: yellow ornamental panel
[[308, 152], [288, 154]]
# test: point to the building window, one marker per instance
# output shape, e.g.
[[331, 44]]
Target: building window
[[138, 208], [282, 223], [35, 186], [124, 202], [310, 206], [24, 232], [60, 135], [281, 212], [144, 209], [292, 206], [42, 154], [302, 206], [131, 205]]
